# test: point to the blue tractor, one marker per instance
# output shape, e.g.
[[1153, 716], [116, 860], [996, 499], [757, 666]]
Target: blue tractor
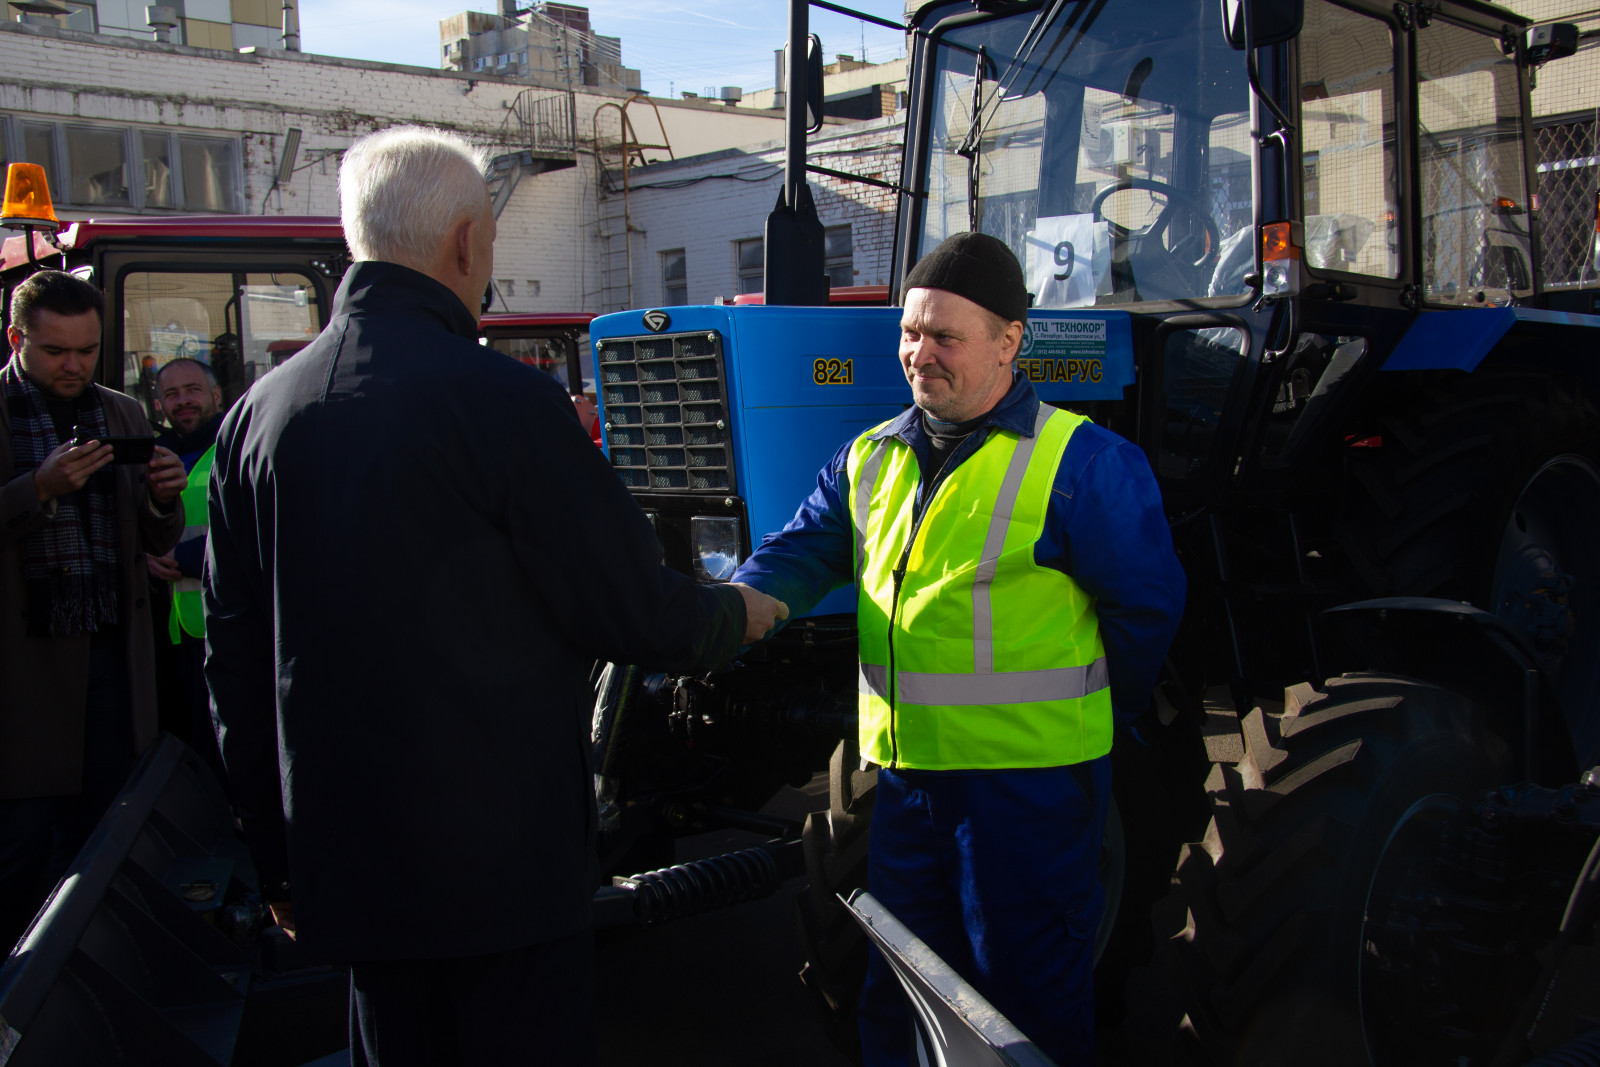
[[1293, 249]]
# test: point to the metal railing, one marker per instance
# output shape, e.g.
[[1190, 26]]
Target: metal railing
[[542, 120]]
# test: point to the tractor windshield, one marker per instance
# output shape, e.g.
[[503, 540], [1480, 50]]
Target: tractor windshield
[[1108, 143]]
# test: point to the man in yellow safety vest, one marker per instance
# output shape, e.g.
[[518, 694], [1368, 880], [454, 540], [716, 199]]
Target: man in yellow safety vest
[[189, 397], [1017, 591]]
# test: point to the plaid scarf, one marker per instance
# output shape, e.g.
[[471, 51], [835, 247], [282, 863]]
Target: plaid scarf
[[69, 566]]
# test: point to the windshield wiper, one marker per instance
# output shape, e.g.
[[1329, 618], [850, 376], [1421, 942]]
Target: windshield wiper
[[1035, 34], [1030, 40], [1036, 31], [1047, 16], [974, 138]]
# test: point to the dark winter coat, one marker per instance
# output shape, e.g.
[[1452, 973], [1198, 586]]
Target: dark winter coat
[[416, 554], [44, 681]]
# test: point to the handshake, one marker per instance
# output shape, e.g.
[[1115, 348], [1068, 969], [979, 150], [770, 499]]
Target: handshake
[[761, 612]]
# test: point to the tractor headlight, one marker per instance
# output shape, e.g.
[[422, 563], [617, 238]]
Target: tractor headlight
[[715, 543]]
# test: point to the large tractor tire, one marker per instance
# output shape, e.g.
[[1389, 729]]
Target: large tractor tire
[[1277, 891], [1429, 504], [1487, 490]]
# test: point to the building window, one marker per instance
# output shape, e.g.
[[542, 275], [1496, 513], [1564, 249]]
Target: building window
[[111, 166], [39, 146], [752, 264], [674, 277], [156, 149], [97, 159], [210, 174], [840, 258], [80, 15]]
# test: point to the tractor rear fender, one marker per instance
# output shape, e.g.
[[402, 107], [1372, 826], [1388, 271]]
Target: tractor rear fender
[[1561, 342], [1470, 651]]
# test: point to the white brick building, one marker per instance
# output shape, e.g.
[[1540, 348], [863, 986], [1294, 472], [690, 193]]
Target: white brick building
[[704, 212], [136, 126]]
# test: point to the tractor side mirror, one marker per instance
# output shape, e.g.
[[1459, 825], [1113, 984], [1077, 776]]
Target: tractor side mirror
[[1271, 21], [1553, 40], [813, 86]]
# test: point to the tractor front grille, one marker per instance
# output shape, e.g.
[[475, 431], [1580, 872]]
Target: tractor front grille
[[666, 411]]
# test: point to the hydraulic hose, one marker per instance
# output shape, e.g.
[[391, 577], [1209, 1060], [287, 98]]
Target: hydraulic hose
[[702, 885]]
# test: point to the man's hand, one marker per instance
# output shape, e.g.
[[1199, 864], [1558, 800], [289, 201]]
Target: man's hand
[[283, 916], [165, 476], [67, 469], [587, 412], [761, 612], [163, 568]]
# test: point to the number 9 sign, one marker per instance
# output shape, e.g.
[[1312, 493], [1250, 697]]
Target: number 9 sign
[[1058, 261], [1065, 256]]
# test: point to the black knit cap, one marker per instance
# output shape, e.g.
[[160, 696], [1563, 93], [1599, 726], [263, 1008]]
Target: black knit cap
[[978, 267]]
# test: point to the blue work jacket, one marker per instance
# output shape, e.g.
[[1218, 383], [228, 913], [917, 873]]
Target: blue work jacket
[[1105, 528]]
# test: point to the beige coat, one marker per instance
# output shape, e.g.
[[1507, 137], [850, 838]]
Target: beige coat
[[44, 682]]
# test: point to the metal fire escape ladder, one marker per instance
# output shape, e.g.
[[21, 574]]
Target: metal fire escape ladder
[[544, 122], [616, 228]]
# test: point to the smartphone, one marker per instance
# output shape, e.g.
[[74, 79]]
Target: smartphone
[[137, 450]]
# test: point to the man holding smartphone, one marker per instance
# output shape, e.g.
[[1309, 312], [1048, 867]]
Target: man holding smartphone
[[75, 637]]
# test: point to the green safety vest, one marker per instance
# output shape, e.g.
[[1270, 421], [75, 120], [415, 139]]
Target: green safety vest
[[977, 657], [188, 610]]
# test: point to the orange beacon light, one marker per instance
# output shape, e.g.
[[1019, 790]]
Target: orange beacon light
[[27, 200]]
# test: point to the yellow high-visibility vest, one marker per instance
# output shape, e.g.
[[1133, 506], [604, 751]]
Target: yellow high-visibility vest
[[188, 610], [972, 654]]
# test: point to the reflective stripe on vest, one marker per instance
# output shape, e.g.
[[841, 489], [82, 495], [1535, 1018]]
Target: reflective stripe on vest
[[981, 658], [188, 608]]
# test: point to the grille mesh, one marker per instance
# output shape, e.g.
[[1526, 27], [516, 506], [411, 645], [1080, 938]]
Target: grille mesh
[[666, 411]]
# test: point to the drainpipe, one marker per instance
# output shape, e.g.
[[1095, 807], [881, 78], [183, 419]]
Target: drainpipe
[[291, 26]]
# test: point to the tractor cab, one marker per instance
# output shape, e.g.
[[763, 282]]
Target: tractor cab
[[1120, 151], [239, 294], [1276, 220], [554, 342]]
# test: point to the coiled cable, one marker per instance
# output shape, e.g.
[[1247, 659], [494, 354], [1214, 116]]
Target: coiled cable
[[703, 885]]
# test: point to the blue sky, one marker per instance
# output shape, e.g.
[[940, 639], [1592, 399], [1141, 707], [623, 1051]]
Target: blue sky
[[677, 46]]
